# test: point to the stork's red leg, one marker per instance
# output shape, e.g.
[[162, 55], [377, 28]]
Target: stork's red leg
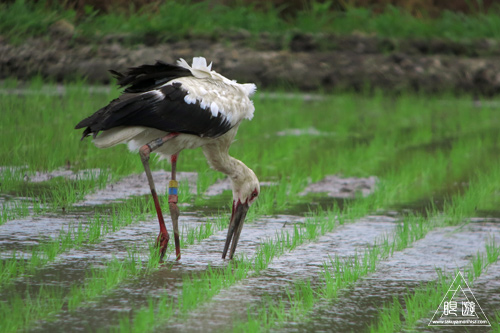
[[172, 204], [144, 152]]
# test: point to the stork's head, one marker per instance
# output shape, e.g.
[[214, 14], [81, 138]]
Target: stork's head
[[246, 190]]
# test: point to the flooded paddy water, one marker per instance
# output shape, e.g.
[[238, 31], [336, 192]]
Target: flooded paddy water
[[345, 182], [443, 249]]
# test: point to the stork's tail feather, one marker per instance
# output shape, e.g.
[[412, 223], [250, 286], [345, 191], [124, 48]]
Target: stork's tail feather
[[86, 133], [90, 123], [117, 75]]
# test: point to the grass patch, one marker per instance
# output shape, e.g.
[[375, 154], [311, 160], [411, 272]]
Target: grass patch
[[21, 19]]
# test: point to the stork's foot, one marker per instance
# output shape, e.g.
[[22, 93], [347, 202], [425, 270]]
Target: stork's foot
[[162, 243]]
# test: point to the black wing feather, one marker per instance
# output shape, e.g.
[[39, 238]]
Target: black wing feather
[[148, 77], [169, 114]]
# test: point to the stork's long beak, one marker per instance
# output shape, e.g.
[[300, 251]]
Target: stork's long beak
[[235, 225]]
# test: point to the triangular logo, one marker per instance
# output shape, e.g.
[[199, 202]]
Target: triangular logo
[[459, 307]]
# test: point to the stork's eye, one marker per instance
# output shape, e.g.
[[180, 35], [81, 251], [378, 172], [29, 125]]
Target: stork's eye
[[255, 194]]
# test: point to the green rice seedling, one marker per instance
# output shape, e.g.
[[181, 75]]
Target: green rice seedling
[[480, 196], [278, 197], [49, 301], [205, 179], [187, 196], [162, 307], [205, 230], [198, 233], [17, 265], [337, 274], [328, 153], [481, 261], [413, 309], [492, 251], [153, 257], [14, 209], [11, 176], [94, 230], [304, 297], [10, 267], [351, 271], [267, 252], [302, 300], [195, 290], [476, 266], [412, 229], [495, 322], [190, 235], [390, 320], [418, 304], [215, 280], [260, 321], [62, 193], [187, 236], [429, 295], [22, 310], [99, 281]]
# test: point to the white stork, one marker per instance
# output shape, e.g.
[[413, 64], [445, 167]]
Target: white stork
[[166, 108]]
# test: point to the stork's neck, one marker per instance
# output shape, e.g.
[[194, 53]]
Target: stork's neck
[[243, 180], [220, 160], [217, 154]]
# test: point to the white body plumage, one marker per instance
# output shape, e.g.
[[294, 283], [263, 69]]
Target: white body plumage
[[214, 93]]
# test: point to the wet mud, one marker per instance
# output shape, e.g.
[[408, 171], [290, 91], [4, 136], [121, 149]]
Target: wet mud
[[342, 187], [347, 62], [136, 185]]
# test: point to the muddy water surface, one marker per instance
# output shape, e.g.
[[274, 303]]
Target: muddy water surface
[[166, 281], [442, 249]]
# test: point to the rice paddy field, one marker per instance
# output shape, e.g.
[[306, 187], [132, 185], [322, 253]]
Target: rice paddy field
[[370, 205]]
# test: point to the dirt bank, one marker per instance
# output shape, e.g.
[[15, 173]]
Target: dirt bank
[[304, 61]]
